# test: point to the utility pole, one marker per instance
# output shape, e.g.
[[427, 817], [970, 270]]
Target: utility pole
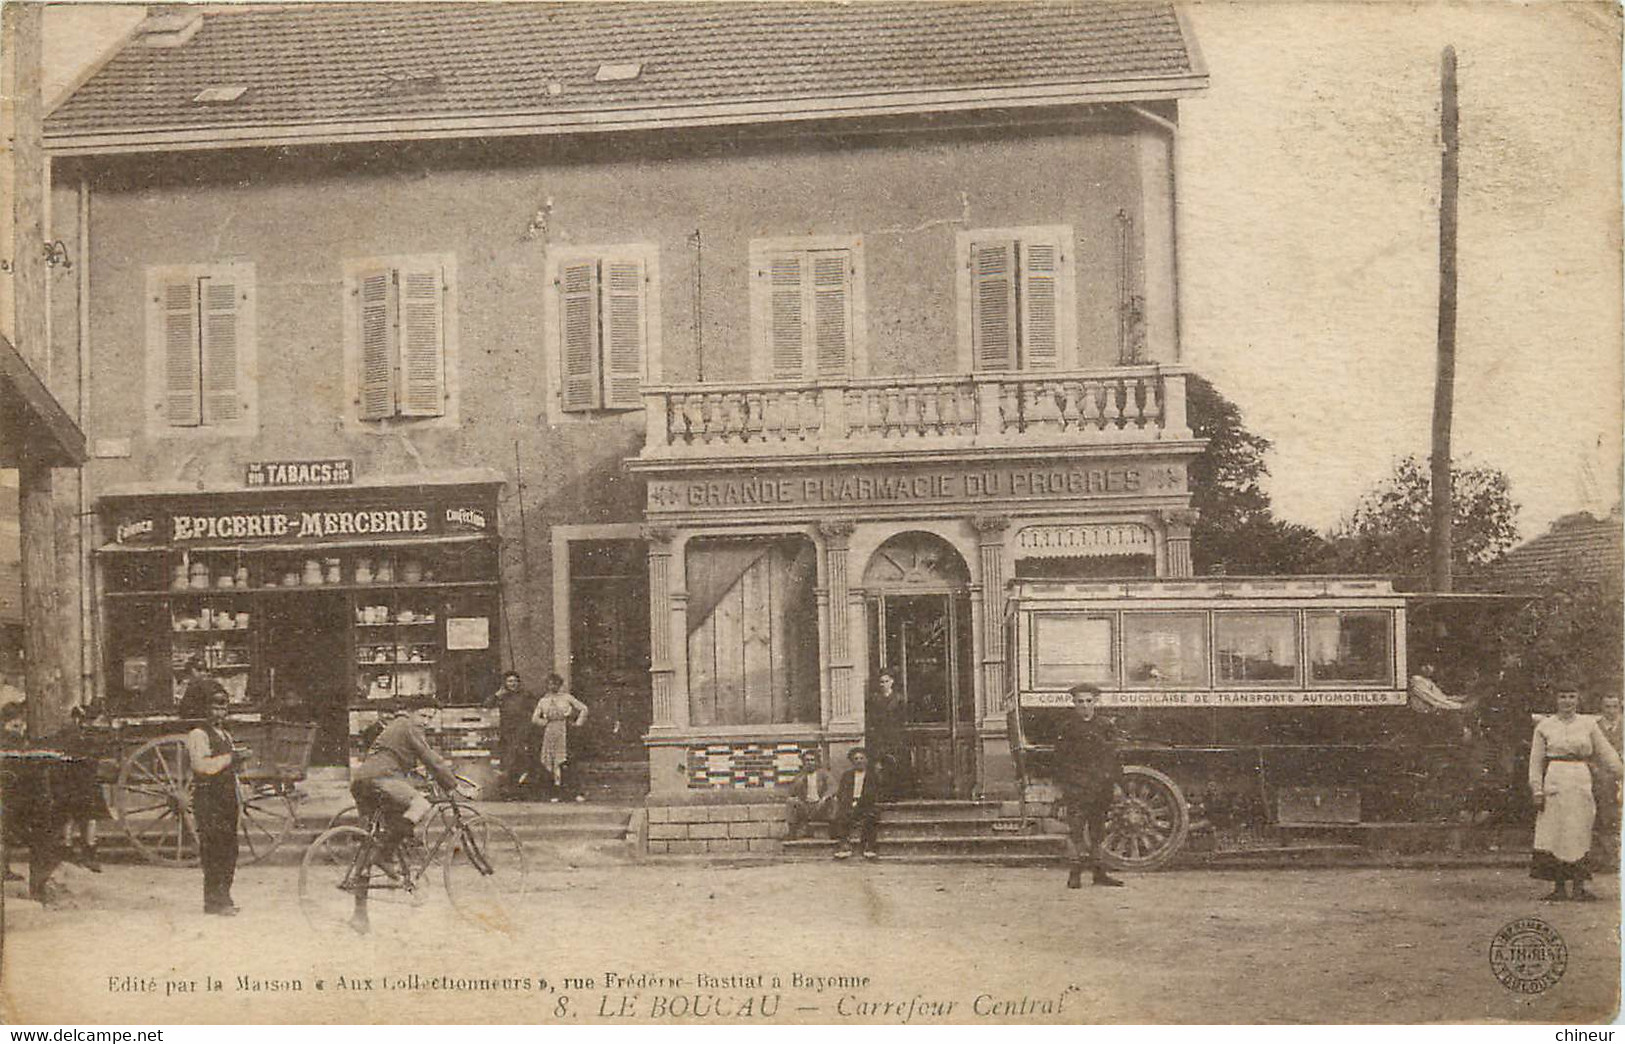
[[1444, 387]]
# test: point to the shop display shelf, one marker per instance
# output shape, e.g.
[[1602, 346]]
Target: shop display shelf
[[410, 623], [227, 592], [396, 663]]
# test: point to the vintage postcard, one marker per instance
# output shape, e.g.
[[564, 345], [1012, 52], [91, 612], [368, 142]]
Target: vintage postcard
[[803, 513]]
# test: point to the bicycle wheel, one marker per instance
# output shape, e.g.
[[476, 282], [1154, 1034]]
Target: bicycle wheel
[[332, 880], [485, 870]]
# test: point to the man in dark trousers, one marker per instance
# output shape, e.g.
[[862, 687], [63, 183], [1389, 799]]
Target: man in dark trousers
[[515, 732], [1088, 766], [215, 760], [857, 802]]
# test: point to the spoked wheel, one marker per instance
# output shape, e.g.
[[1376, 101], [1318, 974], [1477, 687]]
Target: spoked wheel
[[1148, 823], [152, 801], [341, 891], [485, 870], [266, 818]]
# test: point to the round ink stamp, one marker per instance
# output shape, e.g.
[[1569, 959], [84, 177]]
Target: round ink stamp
[[1528, 956]]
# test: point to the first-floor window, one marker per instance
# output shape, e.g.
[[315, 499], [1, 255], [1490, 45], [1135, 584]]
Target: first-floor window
[[200, 334], [752, 631], [401, 319], [604, 308]]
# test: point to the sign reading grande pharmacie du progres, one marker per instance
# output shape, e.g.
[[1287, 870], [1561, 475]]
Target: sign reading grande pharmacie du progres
[[882, 485], [1232, 699]]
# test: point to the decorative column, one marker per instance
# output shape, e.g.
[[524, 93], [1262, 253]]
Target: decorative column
[[1177, 525], [843, 702], [668, 611], [985, 610]]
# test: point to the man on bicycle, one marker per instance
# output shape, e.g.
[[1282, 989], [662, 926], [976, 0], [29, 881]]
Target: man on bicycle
[[381, 781]]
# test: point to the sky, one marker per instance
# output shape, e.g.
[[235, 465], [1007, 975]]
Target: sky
[[1308, 182]]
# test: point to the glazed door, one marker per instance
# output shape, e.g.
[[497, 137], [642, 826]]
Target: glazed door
[[925, 641]]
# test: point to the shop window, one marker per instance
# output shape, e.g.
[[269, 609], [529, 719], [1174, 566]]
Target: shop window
[[806, 307], [604, 326], [200, 348], [1254, 648], [1165, 650], [399, 347], [1016, 299], [1071, 648], [1350, 647], [752, 632]]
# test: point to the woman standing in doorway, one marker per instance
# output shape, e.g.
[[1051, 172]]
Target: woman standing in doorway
[[1560, 782], [552, 714]]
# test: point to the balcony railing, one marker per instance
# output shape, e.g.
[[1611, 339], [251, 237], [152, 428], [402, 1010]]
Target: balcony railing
[[1122, 404]]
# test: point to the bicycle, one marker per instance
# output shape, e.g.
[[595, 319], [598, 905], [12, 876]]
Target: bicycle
[[483, 867]]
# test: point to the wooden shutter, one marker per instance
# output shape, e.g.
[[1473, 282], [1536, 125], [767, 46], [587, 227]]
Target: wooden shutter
[[422, 341], [222, 349], [183, 355], [578, 335], [1040, 296], [626, 332], [832, 311], [786, 315], [375, 288], [993, 305]]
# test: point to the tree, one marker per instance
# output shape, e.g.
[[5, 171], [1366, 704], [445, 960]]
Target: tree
[[1236, 531], [1572, 633], [1387, 532]]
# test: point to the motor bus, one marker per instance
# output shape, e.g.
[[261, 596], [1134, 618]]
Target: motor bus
[[1259, 703]]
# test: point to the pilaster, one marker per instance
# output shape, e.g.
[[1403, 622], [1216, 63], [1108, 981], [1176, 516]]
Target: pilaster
[[668, 613], [985, 614], [837, 601], [1177, 527]]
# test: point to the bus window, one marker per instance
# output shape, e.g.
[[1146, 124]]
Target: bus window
[[1252, 648], [1165, 650], [1070, 648], [1350, 646]]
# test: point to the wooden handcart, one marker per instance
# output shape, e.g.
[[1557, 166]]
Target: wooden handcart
[[152, 794]]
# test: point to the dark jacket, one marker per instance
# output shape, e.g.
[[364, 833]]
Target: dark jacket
[[871, 789], [798, 787], [1088, 754], [399, 748]]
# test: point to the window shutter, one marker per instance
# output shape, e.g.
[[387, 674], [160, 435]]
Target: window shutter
[[832, 311], [786, 327], [993, 305], [578, 334], [183, 373], [422, 342], [625, 326], [1040, 331], [377, 343], [222, 350]]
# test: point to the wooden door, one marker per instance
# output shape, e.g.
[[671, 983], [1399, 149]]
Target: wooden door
[[924, 641]]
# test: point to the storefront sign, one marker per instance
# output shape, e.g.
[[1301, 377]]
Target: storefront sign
[[299, 473], [296, 517], [1266, 698], [885, 486], [1095, 539]]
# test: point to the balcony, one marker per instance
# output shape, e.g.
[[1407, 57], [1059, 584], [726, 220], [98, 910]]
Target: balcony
[[885, 415]]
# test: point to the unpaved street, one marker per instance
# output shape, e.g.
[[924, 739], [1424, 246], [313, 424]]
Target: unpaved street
[[891, 943]]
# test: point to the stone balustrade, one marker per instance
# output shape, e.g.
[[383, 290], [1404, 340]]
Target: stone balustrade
[[1133, 404]]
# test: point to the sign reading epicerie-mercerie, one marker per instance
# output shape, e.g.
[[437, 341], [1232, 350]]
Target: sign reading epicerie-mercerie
[[265, 473], [204, 525], [883, 485]]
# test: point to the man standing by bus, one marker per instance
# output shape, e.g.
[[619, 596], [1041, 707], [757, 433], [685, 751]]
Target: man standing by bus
[[1088, 766]]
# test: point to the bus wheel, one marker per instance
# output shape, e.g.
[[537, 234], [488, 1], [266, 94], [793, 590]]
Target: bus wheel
[[1147, 825]]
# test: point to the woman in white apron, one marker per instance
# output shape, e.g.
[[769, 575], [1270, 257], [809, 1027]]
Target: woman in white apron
[[1560, 780]]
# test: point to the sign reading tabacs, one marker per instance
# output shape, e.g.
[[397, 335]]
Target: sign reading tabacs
[[266, 473]]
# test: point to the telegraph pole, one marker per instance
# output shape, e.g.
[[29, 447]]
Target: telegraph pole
[[1444, 390]]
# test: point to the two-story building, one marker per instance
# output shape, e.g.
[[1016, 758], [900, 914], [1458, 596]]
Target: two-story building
[[715, 356]]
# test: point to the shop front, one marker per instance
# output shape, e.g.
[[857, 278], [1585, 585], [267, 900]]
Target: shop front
[[308, 603], [801, 605]]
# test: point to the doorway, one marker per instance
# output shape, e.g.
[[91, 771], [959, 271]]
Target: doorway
[[307, 667], [919, 620]]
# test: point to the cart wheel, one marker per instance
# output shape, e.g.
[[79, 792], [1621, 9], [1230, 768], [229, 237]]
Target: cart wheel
[[1147, 825], [266, 817], [152, 801]]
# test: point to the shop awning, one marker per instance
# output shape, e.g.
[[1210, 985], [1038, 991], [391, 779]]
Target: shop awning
[[32, 422]]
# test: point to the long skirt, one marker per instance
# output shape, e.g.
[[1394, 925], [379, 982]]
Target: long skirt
[[1563, 828], [555, 751]]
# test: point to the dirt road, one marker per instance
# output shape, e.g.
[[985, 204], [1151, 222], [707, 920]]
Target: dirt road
[[819, 943]]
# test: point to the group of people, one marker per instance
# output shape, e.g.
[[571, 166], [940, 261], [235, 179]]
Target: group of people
[[534, 734]]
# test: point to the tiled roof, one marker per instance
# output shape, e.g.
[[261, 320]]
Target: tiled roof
[[419, 67], [1576, 548]]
